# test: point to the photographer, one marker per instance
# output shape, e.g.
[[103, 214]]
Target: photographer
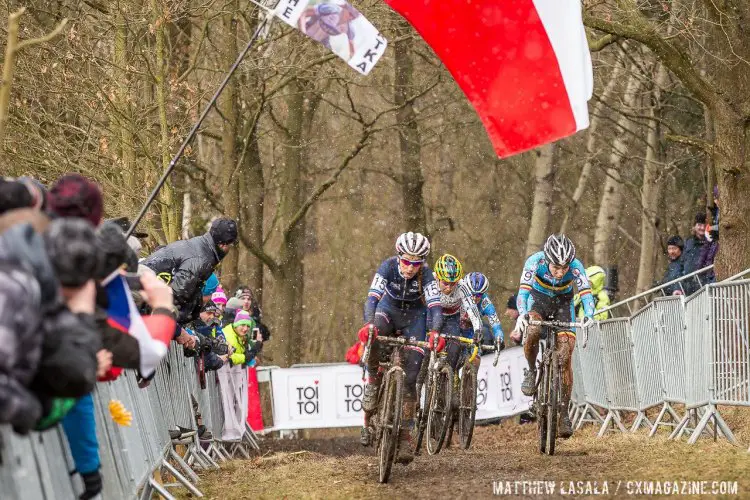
[[213, 349], [188, 264]]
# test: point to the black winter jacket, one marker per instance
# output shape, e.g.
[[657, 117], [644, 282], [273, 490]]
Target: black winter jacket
[[51, 351], [674, 271], [189, 263]]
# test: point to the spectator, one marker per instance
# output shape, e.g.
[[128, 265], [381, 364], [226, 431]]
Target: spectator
[[691, 255], [220, 299], [232, 377], [14, 195], [48, 342], [711, 248], [511, 309], [134, 240], [233, 305], [206, 326], [248, 303], [675, 266], [597, 278], [73, 195], [189, 263]]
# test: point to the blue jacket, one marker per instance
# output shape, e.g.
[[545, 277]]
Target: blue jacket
[[389, 285], [537, 276]]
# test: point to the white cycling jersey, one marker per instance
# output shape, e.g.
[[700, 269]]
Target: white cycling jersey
[[460, 301]]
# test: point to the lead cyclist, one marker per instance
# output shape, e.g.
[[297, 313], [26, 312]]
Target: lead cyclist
[[402, 294], [546, 293]]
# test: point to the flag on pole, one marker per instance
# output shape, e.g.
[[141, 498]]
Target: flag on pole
[[339, 27], [124, 316], [524, 64]]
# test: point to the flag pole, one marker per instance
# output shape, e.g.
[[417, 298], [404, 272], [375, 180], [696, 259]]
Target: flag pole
[[197, 125]]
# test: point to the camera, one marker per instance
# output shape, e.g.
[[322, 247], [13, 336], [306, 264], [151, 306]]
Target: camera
[[204, 345]]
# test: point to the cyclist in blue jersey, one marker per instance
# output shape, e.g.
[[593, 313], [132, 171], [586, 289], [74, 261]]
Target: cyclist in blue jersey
[[477, 284], [402, 294], [546, 293]]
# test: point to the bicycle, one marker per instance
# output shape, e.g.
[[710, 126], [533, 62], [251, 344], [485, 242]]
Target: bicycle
[[387, 420], [546, 405], [467, 398], [436, 418]]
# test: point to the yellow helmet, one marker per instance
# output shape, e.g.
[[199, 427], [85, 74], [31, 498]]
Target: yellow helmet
[[448, 269]]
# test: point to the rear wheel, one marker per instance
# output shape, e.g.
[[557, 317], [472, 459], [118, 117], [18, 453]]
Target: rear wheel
[[439, 412], [392, 402], [467, 410]]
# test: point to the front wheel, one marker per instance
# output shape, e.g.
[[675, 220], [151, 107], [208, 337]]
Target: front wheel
[[553, 399], [439, 415], [540, 408], [393, 399], [421, 414], [467, 410]]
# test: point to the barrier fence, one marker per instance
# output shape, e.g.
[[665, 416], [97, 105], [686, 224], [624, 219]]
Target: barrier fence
[[668, 365], [136, 460]]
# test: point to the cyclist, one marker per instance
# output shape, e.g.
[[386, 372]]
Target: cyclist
[[456, 302], [401, 294], [546, 293], [477, 285]]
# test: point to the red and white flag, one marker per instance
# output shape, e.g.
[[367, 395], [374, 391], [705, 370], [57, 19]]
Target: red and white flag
[[524, 64]]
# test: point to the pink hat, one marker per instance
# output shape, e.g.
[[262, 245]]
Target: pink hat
[[219, 296], [243, 318]]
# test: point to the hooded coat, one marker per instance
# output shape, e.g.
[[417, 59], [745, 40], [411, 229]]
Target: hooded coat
[[186, 265]]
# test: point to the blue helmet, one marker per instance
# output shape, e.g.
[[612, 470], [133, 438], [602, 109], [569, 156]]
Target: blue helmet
[[212, 283], [478, 283]]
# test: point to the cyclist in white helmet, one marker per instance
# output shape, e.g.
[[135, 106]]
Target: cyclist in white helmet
[[401, 294], [546, 293]]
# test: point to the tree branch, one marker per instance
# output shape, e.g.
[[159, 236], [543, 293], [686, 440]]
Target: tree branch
[[672, 56], [366, 132], [603, 42], [695, 142], [259, 253], [42, 39]]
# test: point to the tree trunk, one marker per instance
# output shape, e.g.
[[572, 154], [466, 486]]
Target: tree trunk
[[408, 135], [611, 206], [171, 216], [652, 187], [122, 117], [733, 174], [252, 186], [229, 111], [583, 179], [289, 276], [544, 183]]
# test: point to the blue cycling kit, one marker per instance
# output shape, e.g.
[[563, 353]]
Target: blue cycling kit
[[536, 276], [390, 290], [487, 310]]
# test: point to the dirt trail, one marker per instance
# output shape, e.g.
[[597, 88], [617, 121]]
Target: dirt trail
[[340, 468]]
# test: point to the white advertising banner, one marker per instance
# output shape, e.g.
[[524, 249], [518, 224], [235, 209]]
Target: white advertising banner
[[319, 396]]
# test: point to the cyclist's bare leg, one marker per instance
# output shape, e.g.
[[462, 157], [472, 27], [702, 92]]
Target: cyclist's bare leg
[[531, 346]]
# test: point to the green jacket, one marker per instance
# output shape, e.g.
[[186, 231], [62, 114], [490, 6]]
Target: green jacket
[[238, 342], [597, 278]]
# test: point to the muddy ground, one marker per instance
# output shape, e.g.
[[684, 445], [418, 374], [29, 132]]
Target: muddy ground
[[337, 467]]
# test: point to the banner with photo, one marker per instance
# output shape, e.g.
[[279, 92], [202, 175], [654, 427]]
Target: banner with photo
[[320, 396], [337, 26]]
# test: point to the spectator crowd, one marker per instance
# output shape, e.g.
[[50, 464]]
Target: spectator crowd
[[696, 253], [79, 304]]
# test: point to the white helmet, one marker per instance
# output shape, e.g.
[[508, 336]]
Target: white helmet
[[559, 250], [413, 244]]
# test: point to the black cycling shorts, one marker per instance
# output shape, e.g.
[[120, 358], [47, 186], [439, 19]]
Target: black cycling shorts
[[557, 308]]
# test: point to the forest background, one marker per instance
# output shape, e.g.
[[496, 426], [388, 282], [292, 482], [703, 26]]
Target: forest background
[[323, 168]]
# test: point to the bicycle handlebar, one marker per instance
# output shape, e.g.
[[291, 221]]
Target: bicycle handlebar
[[559, 324]]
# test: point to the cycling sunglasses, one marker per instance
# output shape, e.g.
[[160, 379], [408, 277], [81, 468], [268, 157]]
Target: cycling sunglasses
[[411, 263]]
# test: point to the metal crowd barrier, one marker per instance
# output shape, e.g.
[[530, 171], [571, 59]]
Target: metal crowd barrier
[[683, 355], [135, 459]]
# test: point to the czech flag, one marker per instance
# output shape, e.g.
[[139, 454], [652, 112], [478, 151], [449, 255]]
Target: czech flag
[[123, 315], [524, 64]]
